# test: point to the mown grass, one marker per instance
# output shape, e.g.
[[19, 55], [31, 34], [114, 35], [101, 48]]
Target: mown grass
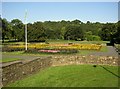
[[87, 52], [23, 53], [62, 41], [72, 76], [9, 59], [73, 41], [104, 49]]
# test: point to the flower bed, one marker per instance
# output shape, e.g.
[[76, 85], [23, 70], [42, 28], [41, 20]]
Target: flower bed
[[52, 51], [56, 47], [49, 51], [62, 46]]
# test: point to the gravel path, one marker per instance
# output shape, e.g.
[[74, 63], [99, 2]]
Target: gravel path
[[111, 52]]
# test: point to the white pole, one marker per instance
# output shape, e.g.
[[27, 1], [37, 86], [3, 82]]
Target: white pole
[[25, 30], [26, 36]]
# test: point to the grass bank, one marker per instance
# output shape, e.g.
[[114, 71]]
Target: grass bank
[[72, 76]]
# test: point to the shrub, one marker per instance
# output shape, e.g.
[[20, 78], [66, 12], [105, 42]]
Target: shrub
[[31, 51], [68, 51], [10, 49]]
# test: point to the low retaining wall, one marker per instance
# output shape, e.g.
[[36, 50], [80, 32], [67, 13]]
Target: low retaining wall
[[75, 59], [19, 69]]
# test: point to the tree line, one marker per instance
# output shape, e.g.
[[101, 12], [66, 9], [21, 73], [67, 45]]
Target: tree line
[[66, 30]]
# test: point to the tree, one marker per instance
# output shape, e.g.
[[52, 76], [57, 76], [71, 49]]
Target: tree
[[6, 30], [50, 34], [116, 36], [76, 22], [63, 29], [108, 31], [88, 36], [18, 30], [0, 28], [36, 32], [88, 22], [74, 32]]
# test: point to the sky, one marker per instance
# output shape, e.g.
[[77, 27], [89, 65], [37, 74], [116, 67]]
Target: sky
[[57, 11], [60, 0]]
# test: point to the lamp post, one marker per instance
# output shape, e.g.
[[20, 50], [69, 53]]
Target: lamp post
[[25, 30]]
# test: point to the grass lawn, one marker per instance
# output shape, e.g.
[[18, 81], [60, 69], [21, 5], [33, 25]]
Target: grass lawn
[[63, 42], [87, 52], [14, 52], [23, 53], [72, 76], [9, 59], [73, 41], [104, 49]]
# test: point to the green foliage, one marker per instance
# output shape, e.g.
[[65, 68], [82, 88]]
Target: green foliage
[[116, 36], [95, 38], [77, 22], [50, 34], [36, 32], [108, 31], [74, 32], [0, 28], [6, 30], [18, 30], [90, 37]]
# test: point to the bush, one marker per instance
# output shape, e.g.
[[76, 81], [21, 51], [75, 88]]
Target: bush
[[93, 38], [31, 51], [70, 43], [10, 49], [68, 51]]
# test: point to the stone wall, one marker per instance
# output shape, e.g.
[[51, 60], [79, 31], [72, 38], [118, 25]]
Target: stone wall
[[75, 59], [19, 69]]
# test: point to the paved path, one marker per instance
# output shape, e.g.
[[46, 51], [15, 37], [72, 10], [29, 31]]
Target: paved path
[[111, 52]]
